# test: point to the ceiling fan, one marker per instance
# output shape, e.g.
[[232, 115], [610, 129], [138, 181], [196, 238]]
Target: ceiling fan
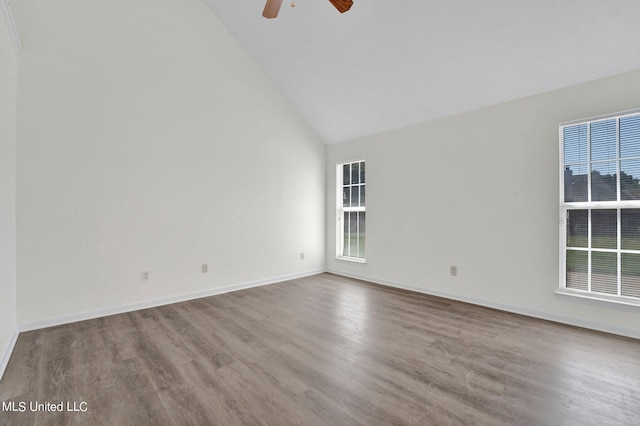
[[272, 7]]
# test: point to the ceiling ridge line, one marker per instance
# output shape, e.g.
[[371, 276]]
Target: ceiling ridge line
[[5, 5]]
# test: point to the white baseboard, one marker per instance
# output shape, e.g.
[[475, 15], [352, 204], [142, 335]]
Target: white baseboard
[[8, 351], [622, 331], [628, 332], [35, 325]]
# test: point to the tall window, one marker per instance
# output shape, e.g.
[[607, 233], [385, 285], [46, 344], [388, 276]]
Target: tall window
[[600, 206], [351, 210]]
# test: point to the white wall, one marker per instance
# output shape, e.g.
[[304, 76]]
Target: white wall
[[150, 140], [7, 192], [480, 191]]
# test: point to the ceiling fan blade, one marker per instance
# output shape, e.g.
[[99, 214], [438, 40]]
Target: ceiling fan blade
[[272, 8], [342, 5]]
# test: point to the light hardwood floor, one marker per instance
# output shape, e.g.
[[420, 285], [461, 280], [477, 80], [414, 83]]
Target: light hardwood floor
[[324, 350]]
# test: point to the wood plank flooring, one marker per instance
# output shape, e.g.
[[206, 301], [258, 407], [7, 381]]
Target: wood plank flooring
[[323, 350]]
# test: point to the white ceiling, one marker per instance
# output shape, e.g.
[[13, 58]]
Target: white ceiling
[[389, 64]]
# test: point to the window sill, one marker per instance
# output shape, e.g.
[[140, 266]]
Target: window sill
[[602, 300], [351, 259]]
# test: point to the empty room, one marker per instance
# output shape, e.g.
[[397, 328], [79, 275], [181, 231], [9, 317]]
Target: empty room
[[319, 212]]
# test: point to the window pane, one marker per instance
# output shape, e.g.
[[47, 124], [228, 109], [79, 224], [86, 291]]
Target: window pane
[[346, 174], [577, 228], [355, 196], [353, 234], [362, 172], [603, 181], [346, 196], [345, 244], [577, 269], [603, 140], [630, 136], [630, 180], [604, 272], [361, 234], [575, 183], [575, 143], [355, 173], [630, 229], [362, 196], [604, 228], [630, 281]]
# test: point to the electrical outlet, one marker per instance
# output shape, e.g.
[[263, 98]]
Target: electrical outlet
[[145, 275], [205, 268], [301, 255], [454, 271]]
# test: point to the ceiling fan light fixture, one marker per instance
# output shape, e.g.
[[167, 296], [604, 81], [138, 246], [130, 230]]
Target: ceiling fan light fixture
[[272, 7], [342, 5]]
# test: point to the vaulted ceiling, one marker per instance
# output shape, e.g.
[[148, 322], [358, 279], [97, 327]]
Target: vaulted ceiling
[[389, 64]]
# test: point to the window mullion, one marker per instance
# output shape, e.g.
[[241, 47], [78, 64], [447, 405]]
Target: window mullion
[[619, 254], [618, 165], [357, 234], [589, 164], [589, 251], [619, 210], [589, 199]]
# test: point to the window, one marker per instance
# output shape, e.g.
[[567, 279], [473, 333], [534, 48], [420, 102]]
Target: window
[[351, 211], [600, 207]]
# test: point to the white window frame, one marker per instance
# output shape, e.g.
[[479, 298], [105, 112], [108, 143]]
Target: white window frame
[[588, 295], [340, 210]]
